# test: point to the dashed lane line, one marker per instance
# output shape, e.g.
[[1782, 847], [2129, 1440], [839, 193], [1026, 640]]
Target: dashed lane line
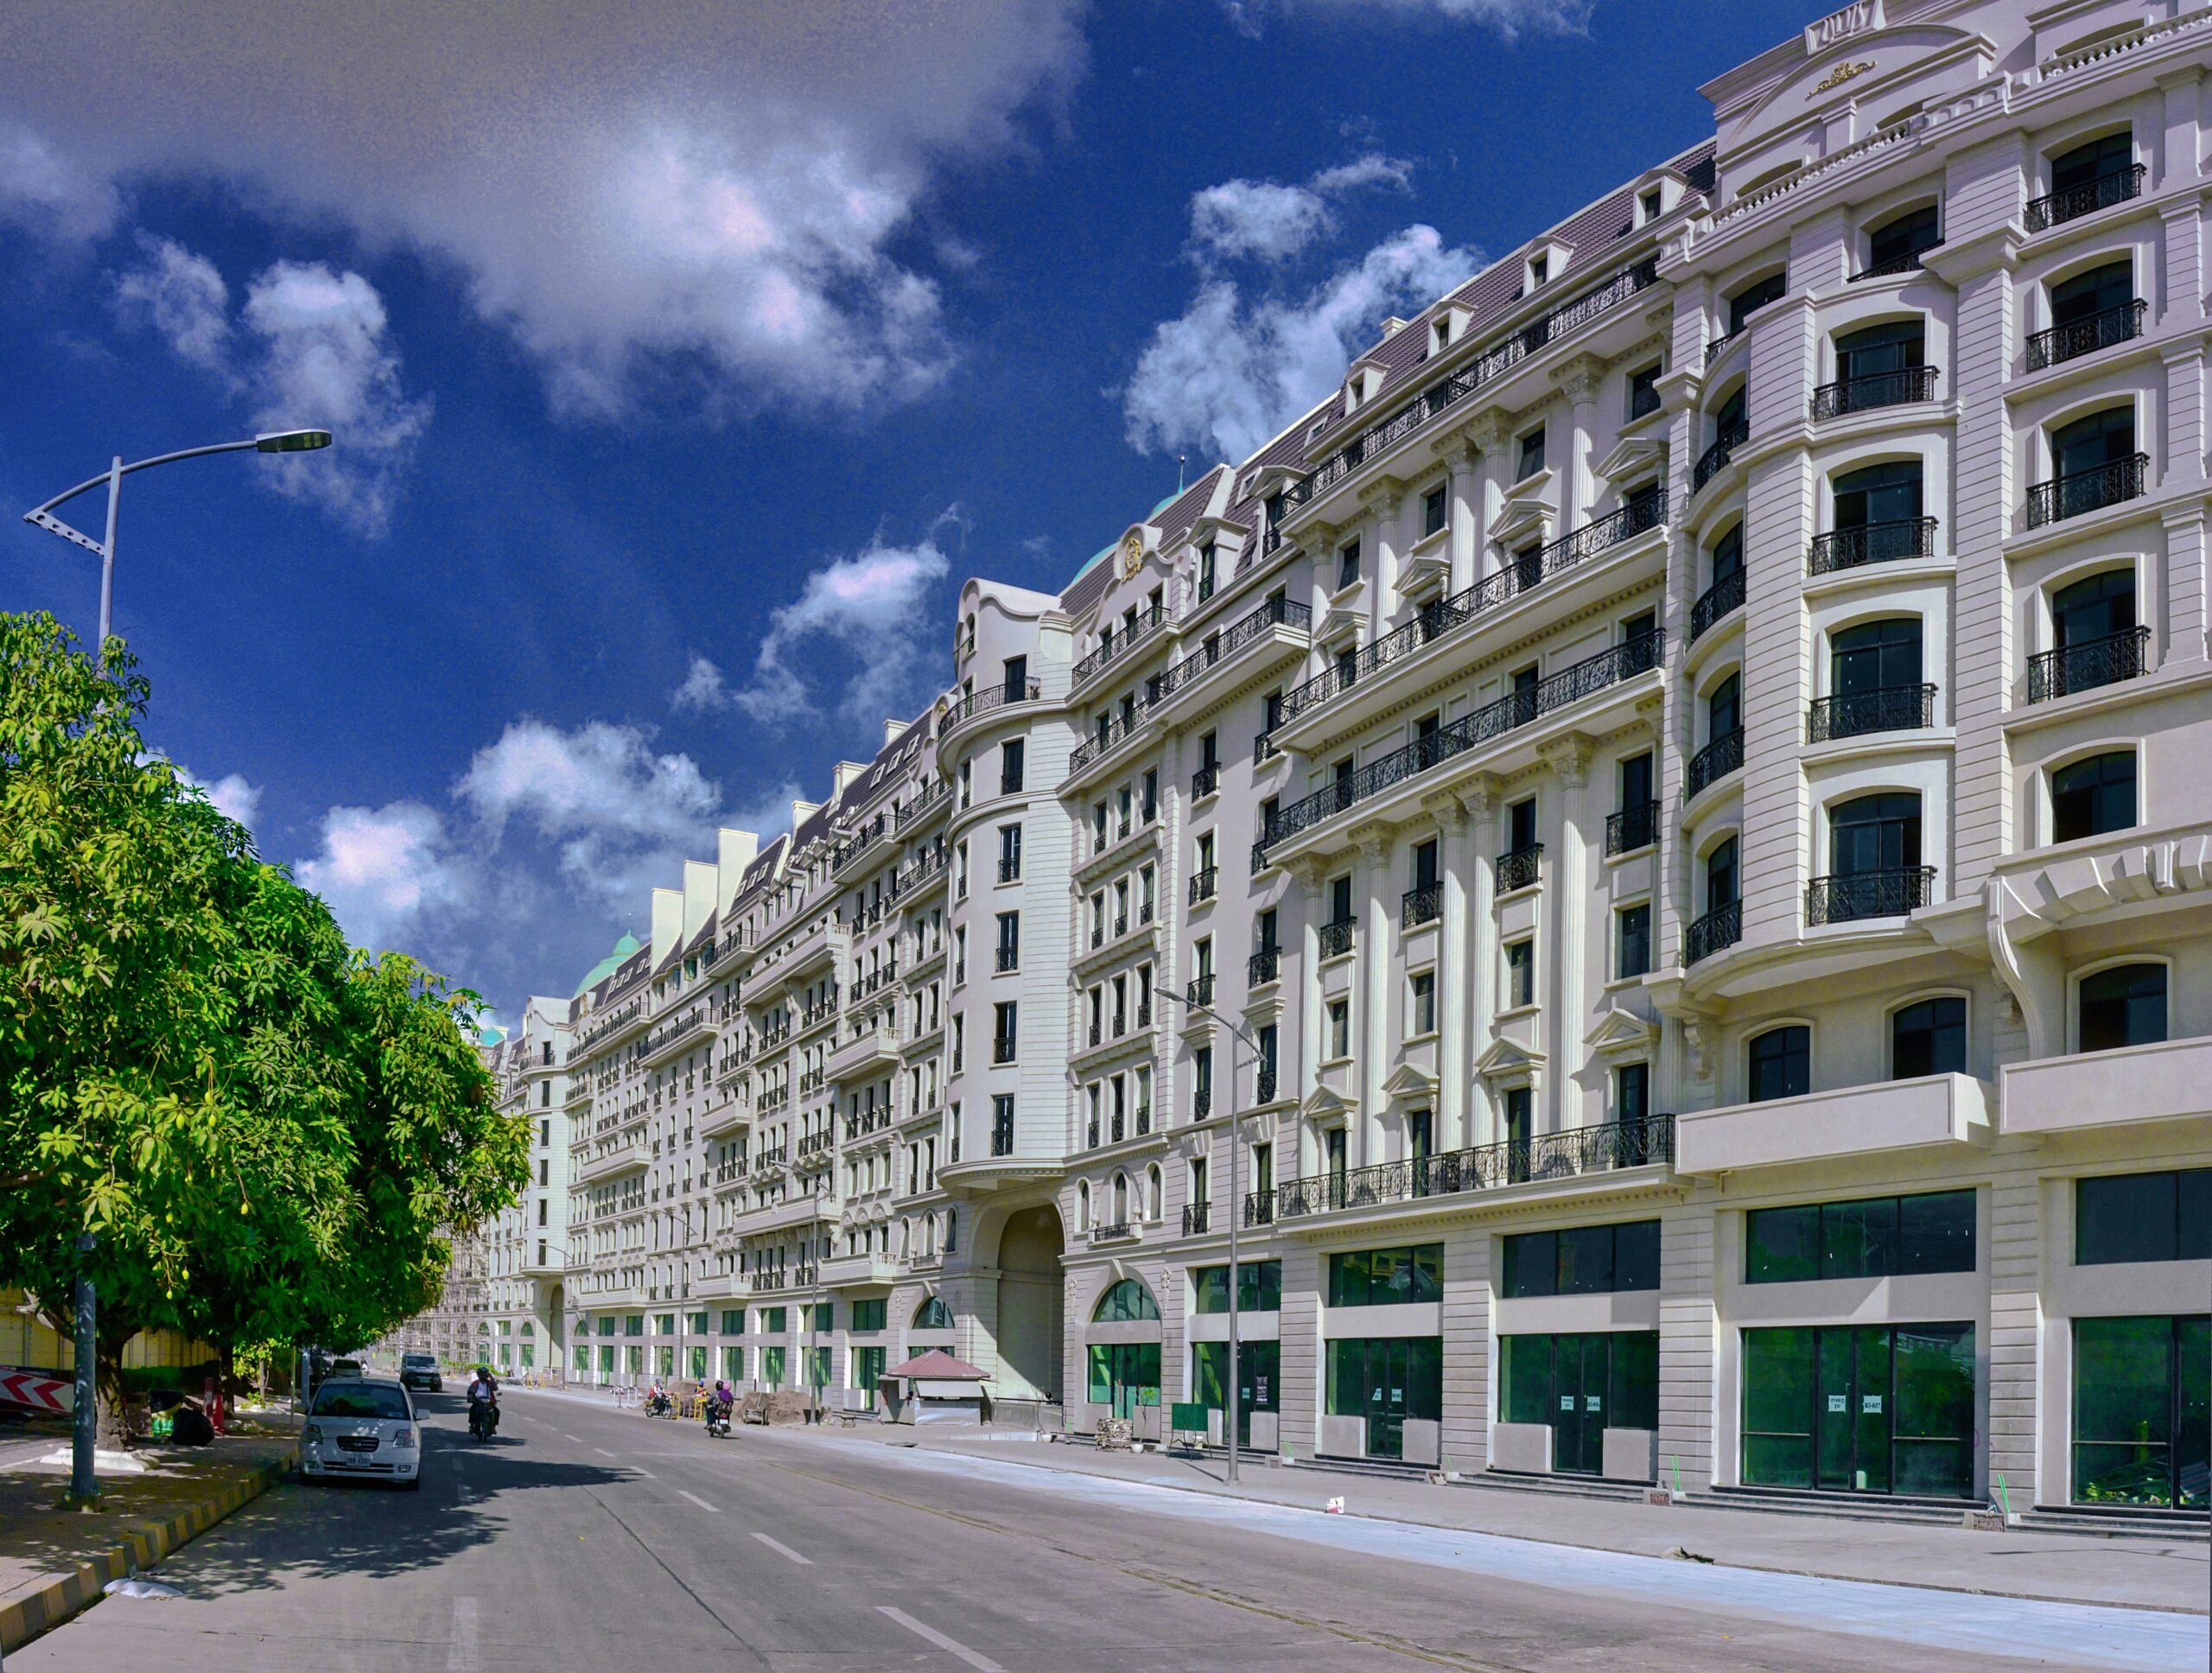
[[776, 1545], [711, 1509], [981, 1664]]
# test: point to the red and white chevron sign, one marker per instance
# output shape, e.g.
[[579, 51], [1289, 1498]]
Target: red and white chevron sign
[[37, 1391]]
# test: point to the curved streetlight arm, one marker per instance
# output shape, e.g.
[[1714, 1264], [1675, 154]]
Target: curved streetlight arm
[[125, 469]]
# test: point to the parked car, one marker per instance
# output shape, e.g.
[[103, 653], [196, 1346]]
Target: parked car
[[420, 1371], [362, 1426]]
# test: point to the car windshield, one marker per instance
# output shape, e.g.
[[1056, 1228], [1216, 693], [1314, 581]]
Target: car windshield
[[361, 1400], [418, 1361]]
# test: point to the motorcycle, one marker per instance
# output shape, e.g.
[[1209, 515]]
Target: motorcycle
[[718, 1419], [483, 1418], [659, 1405]]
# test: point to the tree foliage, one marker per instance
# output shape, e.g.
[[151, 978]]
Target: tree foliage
[[269, 1133]]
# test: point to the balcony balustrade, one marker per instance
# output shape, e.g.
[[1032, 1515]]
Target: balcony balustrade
[[2106, 328], [1199, 990], [1264, 1084], [1518, 868], [1202, 882], [990, 698], [1632, 828], [2071, 495], [1112, 645], [1848, 896], [1196, 1218], [1108, 736], [1723, 598], [1715, 458], [1002, 1048], [2102, 192], [1886, 541], [1278, 612], [1007, 959], [1336, 937], [1420, 906], [1492, 720], [1905, 261], [1201, 1103], [1874, 390], [1551, 1156], [1002, 1138], [1721, 927], [1890, 708], [1715, 762], [2088, 666]]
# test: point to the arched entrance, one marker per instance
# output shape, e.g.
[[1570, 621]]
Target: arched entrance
[[1030, 1306]]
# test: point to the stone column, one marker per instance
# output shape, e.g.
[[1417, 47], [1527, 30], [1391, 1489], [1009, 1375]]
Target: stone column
[[1487, 435], [1465, 539], [1580, 384], [1308, 873], [1385, 503], [1480, 799], [1454, 928], [1570, 759]]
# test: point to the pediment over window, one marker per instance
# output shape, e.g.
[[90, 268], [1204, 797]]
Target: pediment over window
[[1621, 1036], [1510, 1060]]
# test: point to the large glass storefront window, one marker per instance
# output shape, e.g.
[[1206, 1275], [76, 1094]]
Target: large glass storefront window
[[1875, 1238], [1868, 1408], [2142, 1396], [1581, 1385], [1259, 1288], [1124, 1376], [1259, 1379], [867, 1367], [1583, 1260], [1385, 1380], [1379, 1277]]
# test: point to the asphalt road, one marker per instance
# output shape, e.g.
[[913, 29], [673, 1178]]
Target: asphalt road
[[583, 1538]]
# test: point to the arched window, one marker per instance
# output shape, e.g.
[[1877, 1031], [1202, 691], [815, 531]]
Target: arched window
[[1082, 1206], [2092, 796], [2122, 1005], [951, 1228], [1781, 1063], [932, 1314], [1929, 1039], [1121, 1200], [1126, 1302], [1153, 1206]]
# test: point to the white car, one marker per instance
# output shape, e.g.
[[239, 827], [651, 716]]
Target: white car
[[362, 1426]]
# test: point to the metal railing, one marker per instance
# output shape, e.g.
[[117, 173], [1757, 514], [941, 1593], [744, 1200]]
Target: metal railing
[[926, 799], [1008, 958], [1715, 458], [1520, 575], [1715, 762], [1196, 1218], [1848, 896], [1336, 937], [2085, 491], [1518, 868], [1202, 1103], [1203, 881], [1420, 906], [1493, 721], [1205, 781], [1199, 989], [2103, 192], [1277, 612], [1890, 708], [2088, 666], [1263, 967], [1874, 390], [1721, 927], [991, 696], [1001, 1138], [1108, 736], [1264, 1084], [1632, 828], [1110, 648], [1885, 542], [1602, 1149], [1450, 390], [1009, 870], [2086, 335], [1904, 262], [1724, 596], [1002, 1048]]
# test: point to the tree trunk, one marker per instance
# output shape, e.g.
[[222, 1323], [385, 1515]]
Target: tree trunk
[[112, 1424]]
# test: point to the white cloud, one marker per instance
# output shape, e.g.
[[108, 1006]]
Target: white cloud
[[1271, 222], [626, 188], [872, 610], [1509, 19], [51, 194], [233, 797], [385, 871], [310, 346], [1230, 372]]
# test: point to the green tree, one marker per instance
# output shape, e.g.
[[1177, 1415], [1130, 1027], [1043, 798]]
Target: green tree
[[269, 1133]]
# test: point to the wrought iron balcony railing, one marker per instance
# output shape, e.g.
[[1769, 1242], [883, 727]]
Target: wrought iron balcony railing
[[1204, 882], [1277, 612], [1263, 967], [1723, 598], [1715, 459], [1887, 542], [1890, 708], [992, 696], [1715, 762], [1876, 389], [1905, 261], [1632, 828], [1336, 937], [1110, 646], [1199, 989], [1518, 868], [1492, 720], [1421, 906], [1721, 927], [1195, 1216], [2088, 490], [1205, 782], [1608, 1148], [2088, 666], [2103, 192], [2103, 329], [1848, 896]]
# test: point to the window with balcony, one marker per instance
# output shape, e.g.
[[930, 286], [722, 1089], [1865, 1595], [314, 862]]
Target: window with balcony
[[1201, 1098], [1424, 901], [1779, 1063], [2120, 1005], [1882, 365], [1874, 682], [2086, 178], [1897, 246], [1263, 1089], [1723, 730], [1746, 302], [2090, 311], [1634, 824], [2093, 464], [967, 780], [2095, 640], [1009, 944], [1517, 866], [1874, 859], [1009, 854], [1003, 1124], [2092, 796], [1631, 1094], [1731, 428], [1722, 924], [1632, 941], [1724, 594], [1011, 754], [1877, 519]]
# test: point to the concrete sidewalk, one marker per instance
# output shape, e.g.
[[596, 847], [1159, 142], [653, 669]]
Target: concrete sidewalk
[[2064, 1568], [53, 1561]]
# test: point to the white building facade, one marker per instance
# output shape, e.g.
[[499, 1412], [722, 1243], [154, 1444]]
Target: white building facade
[[1669, 812]]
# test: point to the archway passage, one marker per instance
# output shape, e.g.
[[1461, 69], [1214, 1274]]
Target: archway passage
[[1031, 1307]]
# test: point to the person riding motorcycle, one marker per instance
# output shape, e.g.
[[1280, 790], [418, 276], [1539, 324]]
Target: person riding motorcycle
[[483, 1401], [719, 1405]]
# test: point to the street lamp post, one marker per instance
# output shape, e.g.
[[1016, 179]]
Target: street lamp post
[[281, 440], [1233, 1392], [84, 1420]]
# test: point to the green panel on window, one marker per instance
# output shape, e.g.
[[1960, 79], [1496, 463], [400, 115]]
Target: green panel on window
[[771, 1321], [822, 1314], [1782, 1245], [870, 1315], [1779, 1407], [733, 1321], [664, 1324], [607, 1326], [772, 1366], [866, 1367], [606, 1361], [1525, 1379], [698, 1325], [1259, 1288], [666, 1357], [734, 1364], [633, 1324], [698, 1366], [1633, 1389]]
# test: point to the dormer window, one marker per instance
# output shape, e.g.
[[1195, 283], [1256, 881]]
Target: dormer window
[[1440, 335], [1650, 204], [1540, 270]]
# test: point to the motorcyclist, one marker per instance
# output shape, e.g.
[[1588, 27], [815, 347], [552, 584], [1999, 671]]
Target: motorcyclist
[[484, 1392], [719, 1403]]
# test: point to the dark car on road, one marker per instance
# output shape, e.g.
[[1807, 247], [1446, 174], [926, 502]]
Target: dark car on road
[[420, 1371]]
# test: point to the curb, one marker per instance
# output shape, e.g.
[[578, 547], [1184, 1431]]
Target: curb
[[47, 1608]]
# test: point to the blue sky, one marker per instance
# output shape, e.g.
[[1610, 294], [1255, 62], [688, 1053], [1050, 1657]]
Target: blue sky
[[679, 355]]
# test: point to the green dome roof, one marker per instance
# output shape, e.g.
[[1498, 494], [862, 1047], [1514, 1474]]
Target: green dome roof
[[608, 965], [490, 1034]]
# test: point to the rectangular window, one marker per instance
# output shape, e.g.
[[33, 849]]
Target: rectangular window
[[869, 1314], [1421, 1003], [1633, 939], [734, 1364], [772, 1366], [1434, 508], [1586, 1260], [1339, 1028], [1009, 854], [664, 1324], [1875, 1238], [633, 1324], [1010, 759], [866, 1367], [1631, 1092], [1259, 1288], [772, 1322], [1867, 1409], [2142, 1388], [1644, 391], [1347, 563], [734, 1322], [2124, 1217], [1532, 454], [1259, 1366], [1519, 974], [1580, 1385], [1381, 1278], [1386, 1380]]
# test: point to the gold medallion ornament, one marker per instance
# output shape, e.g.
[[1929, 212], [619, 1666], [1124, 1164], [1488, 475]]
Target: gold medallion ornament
[[1132, 554], [1836, 77]]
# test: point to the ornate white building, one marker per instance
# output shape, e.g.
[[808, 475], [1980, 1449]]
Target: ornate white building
[[1667, 808]]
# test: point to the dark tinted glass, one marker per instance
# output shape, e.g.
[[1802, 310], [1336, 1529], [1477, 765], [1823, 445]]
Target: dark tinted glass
[[2096, 609], [1782, 1245], [1635, 1254], [1929, 1039], [2085, 165], [1878, 493], [1782, 1063], [1880, 348], [1935, 1233], [1723, 711], [1532, 1264], [2091, 797], [2125, 1218], [1754, 296], [1585, 1260], [1859, 1240], [2123, 1006], [2093, 292], [2098, 440]]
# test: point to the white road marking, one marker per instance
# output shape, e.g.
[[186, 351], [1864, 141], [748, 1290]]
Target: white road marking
[[952, 1646], [778, 1546], [602, 1452], [578, 1439], [462, 1658], [701, 1503]]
